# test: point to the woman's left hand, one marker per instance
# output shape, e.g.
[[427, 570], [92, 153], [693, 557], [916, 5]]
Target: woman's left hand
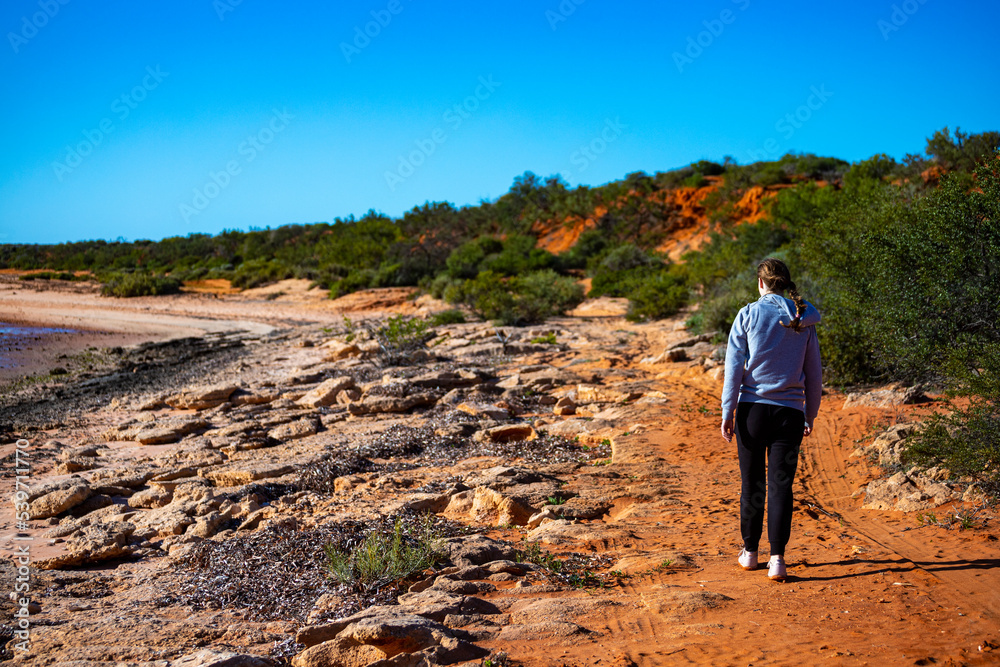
[[807, 430]]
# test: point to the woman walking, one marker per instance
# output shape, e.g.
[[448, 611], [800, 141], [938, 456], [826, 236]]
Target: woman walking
[[770, 398]]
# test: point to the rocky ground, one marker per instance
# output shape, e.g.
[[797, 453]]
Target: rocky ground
[[181, 496]]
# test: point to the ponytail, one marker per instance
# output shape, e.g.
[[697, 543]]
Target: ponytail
[[800, 307], [775, 275]]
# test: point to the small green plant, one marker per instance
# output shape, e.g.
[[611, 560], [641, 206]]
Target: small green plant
[[963, 519], [498, 659], [606, 442], [532, 553], [556, 500], [547, 339], [585, 579], [602, 462], [383, 558], [664, 564]]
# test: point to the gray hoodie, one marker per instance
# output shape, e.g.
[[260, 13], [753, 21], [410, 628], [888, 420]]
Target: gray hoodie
[[769, 363]]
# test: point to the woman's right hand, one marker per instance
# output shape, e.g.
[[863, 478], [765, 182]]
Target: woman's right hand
[[727, 429], [807, 430]]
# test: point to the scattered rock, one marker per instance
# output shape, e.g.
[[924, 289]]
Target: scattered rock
[[253, 396], [171, 432], [383, 404], [339, 350], [59, 501], [507, 433], [483, 410], [95, 543], [200, 398], [493, 508], [300, 428], [475, 550], [213, 658], [887, 397], [446, 379], [326, 393], [565, 406], [240, 474], [586, 394]]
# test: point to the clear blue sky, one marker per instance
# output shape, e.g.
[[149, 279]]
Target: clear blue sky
[[152, 119]]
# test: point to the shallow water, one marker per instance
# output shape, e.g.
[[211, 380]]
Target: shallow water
[[16, 337]]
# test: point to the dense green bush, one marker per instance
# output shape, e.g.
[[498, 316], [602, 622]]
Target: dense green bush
[[520, 300], [257, 272], [138, 284], [659, 295]]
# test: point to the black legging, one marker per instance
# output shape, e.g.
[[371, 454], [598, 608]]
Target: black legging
[[770, 433]]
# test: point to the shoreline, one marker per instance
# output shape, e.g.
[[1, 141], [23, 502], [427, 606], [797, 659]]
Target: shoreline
[[98, 322]]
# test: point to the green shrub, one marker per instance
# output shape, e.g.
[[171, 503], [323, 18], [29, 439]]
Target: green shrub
[[138, 284], [451, 316], [517, 301], [258, 272], [967, 442], [658, 296], [53, 275], [385, 558]]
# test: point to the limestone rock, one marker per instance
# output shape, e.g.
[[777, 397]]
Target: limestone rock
[[339, 350], [902, 493], [238, 474], [253, 396], [887, 397], [170, 432], [214, 658], [59, 501], [83, 452], [507, 433], [494, 508], [326, 393], [200, 398], [437, 604], [586, 394], [206, 526], [300, 428], [95, 543], [547, 514], [483, 410], [475, 550], [565, 406], [394, 404], [446, 379]]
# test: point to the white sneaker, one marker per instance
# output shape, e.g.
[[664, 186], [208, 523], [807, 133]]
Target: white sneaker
[[748, 560], [776, 568]]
